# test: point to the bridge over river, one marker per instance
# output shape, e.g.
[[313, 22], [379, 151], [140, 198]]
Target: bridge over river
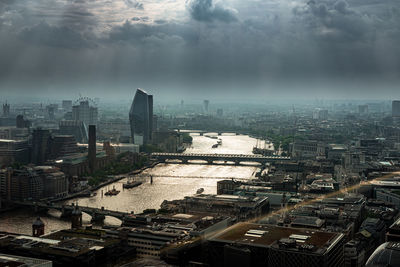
[[66, 210], [211, 158]]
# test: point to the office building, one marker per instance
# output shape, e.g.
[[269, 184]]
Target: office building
[[55, 183], [76, 128], [85, 113], [141, 118], [13, 151], [396, 108], [320, 114], [26, 185], [63, 145], [67, 105], [206, 103], [239, 207], [22, 123], [6, 109], [40, 146], [13, 260], [362, 109], [248, 244]]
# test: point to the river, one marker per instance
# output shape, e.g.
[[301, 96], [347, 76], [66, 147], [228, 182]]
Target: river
[[170, 181]]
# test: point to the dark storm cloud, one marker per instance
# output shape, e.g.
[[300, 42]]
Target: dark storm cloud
[[139, 33], [63, 36], [205, 10], [270, 42]]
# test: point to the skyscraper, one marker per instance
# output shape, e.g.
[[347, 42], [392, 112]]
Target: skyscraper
[[205, 105], [85, 112], [141, 117], [396, 108]]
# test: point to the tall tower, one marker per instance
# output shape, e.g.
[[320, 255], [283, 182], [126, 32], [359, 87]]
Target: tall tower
[[6, 109], [141, 117], [396, 108], [40, 142], [206, 103], [92, 148]]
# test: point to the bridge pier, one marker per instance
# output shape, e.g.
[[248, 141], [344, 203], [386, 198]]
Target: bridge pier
[[65, 212], [97, 217], [201, 134], [237, 162], [219, 133], [185, 161], [209, 162]]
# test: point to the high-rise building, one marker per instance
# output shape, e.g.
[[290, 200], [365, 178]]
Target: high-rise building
[[396, 108], [76, 128], [141, 117], [40, 145], [6, 109], [362, 109], [67, 105], [13, 151], [320, 114], [85, 113], [206, 103]]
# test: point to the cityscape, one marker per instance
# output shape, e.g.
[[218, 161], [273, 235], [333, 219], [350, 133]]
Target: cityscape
[[200, 133]]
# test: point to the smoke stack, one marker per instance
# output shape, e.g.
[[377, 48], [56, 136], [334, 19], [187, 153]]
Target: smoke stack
[[92, 148]]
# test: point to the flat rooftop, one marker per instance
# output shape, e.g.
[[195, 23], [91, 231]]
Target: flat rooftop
[[266, 235]]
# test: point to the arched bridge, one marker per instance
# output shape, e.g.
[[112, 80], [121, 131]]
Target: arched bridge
[[210, 158], [66, 210]]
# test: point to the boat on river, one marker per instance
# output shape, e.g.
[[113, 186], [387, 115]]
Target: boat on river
[[200, 190], [131, 184], [112, 192]]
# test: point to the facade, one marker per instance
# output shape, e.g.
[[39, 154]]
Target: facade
[[239, 207], [308, 149], [320, 114], [396, 108], [63, 145], [13, 151], [55, 183], [76, 128], [141, 118], [26, 185], [67, 105], [13, 260], [248, 244], [85, 113], [40, 146]]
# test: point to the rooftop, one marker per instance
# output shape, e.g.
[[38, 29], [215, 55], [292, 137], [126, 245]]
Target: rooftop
[[267, 235]]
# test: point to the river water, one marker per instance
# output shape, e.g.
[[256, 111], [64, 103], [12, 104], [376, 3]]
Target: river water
[[170, 181]]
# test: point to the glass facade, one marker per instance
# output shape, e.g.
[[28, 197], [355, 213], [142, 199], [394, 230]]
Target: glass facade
[[141, 117]]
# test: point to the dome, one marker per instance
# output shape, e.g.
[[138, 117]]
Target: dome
[[387, 254]]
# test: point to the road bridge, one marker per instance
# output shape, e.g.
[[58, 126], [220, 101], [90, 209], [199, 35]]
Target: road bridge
[[97, 214], [203, 132], [211, 158]]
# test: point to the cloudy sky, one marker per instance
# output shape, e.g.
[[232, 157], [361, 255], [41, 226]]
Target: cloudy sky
[[238, 49]]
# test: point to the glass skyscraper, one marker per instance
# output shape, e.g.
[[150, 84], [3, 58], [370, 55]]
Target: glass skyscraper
[[141, 117]]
